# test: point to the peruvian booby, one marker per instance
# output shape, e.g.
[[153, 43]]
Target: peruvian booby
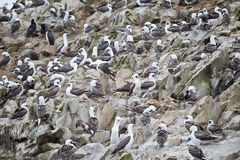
[[32, 28], [28, 3], [63, 48], [185, 26], [139, 109], [203, 23], [226, 18], [44, 29], [144, 2], [103, 68], [30, 71], [213, 128], [71, 23], [146, 34], [107, 54], [173, 61], [53, 12], [68, 68], [49, 37], [54, 77], [73, 92], [147, 114], [191, 94], [5, 59], [16, 25], [159, 46], [89, 29], [147, 24], [116, 47], [156, 32], [212, 46], [92, 125], [53, 90], [5, 18], [166, 3], [21, 112], [190, 2], [96, 88], [114, 139], [235, 62], [82, 57], [198, 57], [216, 17], [40, 3], [67, 150], [41, 110], [193, 20], [195, 151], [188, 123], [120, 4], [29, 84], [154, 68], [126, 142], [200, 135], [130, 45], [162, 135], [104, 43], [127, 29], [65, 20], [149, 85], [133, 87], [107, 8]]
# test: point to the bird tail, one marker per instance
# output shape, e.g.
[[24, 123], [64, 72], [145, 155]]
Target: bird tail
[[3, 102]]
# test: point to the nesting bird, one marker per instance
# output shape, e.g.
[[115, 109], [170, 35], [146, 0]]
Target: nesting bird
[[212, 46], [213, 128], [67, 150], [114, 139], [5, 59], [32, 28], [162, 134]]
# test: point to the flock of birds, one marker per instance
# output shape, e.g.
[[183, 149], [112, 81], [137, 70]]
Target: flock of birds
[[25, 72]]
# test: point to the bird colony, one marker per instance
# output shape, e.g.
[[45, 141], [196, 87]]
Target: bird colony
[[120, 79]]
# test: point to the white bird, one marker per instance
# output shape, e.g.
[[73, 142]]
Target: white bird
[[114, 139]]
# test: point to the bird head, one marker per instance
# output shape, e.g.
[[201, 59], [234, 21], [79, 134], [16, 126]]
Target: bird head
[[70, 142], [5, 54], [191, 88], [210, 122], [162, 126]]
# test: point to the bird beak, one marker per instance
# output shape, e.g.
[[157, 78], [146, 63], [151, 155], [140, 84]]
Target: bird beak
[[74, 142], [98, 84], [188, 140], [220, 10], [185, 117]]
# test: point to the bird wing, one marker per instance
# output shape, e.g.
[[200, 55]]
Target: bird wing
[[122, 144], [65, 68], [4, 61], [19, 112], [50, 38], [214, 128], [93, 125], [195, 152], [103, 45], [15, 26], [14, 91], [77, 91], [203, 135], [98, 91], [189, 124], [103, 9], [125, 88], [147, 84], [150, 70], [31, 29], [162, 137], [210, 48], [119, 4], [52, 91], [82, 124]]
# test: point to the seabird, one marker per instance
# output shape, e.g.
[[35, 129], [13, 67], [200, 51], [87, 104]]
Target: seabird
[[200, 135], [159, 47], [29, 84], [139, 109], [61, 11], [54, 77], [166, 3], [96, 89], [69, 68], [14, 91], [103, 68], [167, 26], [149, 85], [32, 28], [130, 45], [173, 62], [226, 18], [53, 11], [49, 37], [211, 47], [146, 34], [213, 128], [235, 62], [147, 114], [5, 59], [21, 112], [114, 139], [88, 29], [191, 94], [107, 8], [162, 135], [5, 18], [154, 68], [127, 29], [63, 48], [28, 3], [156, 32], [41, 110], [190, 2], [133, 87], [216, 17], [30, 71], [92, 125], [188, 123], [195, 151], [107, 55], [53, 90], [203, 24], [81, 59], [126, 142], [44, 29], [144, 2], [67, 150], [147, 24], [193, 20], [185, 27], [104, 43], [198, 57], [72, 53], [40, 3], [170, 29], [71, 22], [65, 20], [73, 92], [116, 48], [119, 4], [16, 25]]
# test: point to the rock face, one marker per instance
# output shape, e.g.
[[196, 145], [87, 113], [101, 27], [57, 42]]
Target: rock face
[[215, 78]]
